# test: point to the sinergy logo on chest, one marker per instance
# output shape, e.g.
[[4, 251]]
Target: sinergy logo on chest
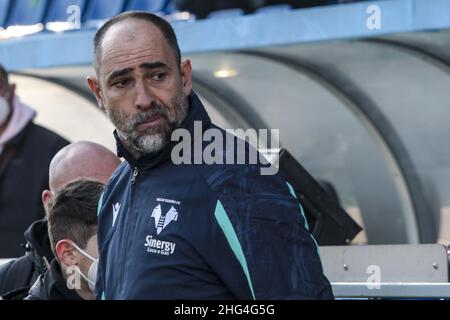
[[165, 248]]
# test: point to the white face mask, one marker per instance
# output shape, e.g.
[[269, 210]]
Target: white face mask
[[4, 110], [92, 273]]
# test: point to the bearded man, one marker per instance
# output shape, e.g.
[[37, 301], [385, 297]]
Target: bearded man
[[186, 231]]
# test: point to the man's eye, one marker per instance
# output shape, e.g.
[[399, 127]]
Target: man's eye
[[121, 83], [159, 76]]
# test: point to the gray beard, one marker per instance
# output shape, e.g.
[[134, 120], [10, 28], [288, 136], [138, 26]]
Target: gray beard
[[145, 144], [149, 142]]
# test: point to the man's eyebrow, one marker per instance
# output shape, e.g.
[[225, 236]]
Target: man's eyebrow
[[119, 73], [153, 65], [146, 65]]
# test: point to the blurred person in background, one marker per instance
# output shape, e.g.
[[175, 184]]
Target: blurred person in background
[[78, 160], [26, 150]]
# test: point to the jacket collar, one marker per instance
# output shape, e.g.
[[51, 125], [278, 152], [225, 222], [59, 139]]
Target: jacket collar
[[38, 242], [196, 112], [55, 285]]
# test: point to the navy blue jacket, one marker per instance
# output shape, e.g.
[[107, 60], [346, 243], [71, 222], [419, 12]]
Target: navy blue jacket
[[22, 183], [203, 231]]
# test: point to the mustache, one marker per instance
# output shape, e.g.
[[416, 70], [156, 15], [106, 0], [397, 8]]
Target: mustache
[[157, 110]]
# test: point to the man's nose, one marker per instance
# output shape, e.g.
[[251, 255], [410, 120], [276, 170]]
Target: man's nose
[[144, 97]]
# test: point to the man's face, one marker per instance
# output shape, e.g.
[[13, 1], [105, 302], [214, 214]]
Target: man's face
[[141, 86], [92, 250], [7, 92], [70, 254], [3, 86]]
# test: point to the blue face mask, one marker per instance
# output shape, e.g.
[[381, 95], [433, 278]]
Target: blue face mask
[[91, 277]]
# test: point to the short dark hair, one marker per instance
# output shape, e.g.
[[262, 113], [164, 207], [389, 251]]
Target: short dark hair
[[164, 26], [3, 74], [72, 214]]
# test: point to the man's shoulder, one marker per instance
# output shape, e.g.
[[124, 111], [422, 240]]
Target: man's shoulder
[[45, 134], [236, 161], [16, 274], [37, 146], [42, 141]]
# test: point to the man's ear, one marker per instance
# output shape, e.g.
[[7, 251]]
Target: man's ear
[[46, 197], [186, 76], [95, 89], [65, 252]]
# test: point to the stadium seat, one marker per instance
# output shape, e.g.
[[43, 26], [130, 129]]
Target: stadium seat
[[24, 17], [98, 11], [226, 13], [62, 15], [155, 6], [27, 12], [172, 7], [164, 8], [4, 7]]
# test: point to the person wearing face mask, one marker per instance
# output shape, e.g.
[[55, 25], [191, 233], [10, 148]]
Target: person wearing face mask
[[26, 150], [79, 160], [72, 228]]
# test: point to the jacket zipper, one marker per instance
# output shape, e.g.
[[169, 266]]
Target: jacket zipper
[[128, 219], [135, 174]]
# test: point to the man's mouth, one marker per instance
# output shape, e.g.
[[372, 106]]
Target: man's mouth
[[151, 122]]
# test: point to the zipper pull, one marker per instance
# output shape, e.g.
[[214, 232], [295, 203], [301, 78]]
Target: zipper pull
[[135, 174]]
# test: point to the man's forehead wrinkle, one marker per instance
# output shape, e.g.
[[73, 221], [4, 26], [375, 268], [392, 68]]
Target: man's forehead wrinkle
[[123, 48], [131, 61], [124, 57], [118, 53]]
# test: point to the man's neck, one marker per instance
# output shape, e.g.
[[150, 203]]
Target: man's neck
[[84, 292]]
